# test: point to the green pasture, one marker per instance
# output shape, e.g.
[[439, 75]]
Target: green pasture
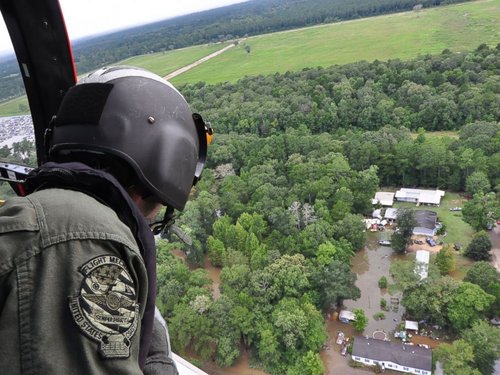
[[161, 63], [453, 134], [164, 63], [404, 35], [14, 107]]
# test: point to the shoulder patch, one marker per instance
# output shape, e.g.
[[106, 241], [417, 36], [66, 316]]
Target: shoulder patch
[[106, 310]]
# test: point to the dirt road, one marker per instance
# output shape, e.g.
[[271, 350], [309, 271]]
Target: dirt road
[[196, 63]]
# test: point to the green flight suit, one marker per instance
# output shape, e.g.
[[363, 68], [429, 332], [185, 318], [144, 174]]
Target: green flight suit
[[73, 287]]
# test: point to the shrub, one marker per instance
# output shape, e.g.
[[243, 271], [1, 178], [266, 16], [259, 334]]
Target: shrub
[[379, 316], [383, 303], [382, 283]]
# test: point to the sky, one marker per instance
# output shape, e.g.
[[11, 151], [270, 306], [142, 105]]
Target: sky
[[91, 17]]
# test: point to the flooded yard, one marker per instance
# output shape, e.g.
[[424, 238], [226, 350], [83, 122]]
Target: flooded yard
[[370, 264]]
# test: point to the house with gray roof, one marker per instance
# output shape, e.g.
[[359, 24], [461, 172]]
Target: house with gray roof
[[410, 359], [426, 223]]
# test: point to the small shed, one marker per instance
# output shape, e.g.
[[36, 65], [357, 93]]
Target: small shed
[[411, 325], [346, 316], [391, 214]]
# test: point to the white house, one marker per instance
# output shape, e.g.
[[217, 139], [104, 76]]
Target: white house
[[410, 359], [384, 198], [422, 264], [420, 196]]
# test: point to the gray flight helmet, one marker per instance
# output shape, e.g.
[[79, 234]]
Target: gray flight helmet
[[140, 118]]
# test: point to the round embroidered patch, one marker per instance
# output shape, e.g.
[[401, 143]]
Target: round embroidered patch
[[106, 310]]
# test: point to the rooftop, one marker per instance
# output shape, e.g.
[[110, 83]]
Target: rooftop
[[401, 354]]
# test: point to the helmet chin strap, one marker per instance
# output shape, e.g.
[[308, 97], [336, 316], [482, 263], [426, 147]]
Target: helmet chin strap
[[166, 226], [163, 226]]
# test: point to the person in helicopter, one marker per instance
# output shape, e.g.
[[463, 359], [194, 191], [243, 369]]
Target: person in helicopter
[[78, 257]]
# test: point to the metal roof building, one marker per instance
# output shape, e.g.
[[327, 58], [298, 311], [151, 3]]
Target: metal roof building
[[384, 198], [422, 264], [420, 196]]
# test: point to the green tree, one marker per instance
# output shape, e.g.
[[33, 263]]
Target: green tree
[[480, 246], [430, 299], [336, 250], [457, 358], [488, 278], [351, 227], [360, 320], [404, 275], [445, 260], [216, 251], [481, 210], [405, 222], [335, 283], [483, 274], [477, 182], [468, 304], [485, 341], [308, 364]]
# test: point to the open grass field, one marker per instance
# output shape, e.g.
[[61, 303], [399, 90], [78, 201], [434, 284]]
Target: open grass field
[[167, 62], [439, 134], [14, 107], [404, 35]]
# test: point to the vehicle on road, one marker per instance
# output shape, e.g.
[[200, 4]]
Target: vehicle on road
[[384, 242]]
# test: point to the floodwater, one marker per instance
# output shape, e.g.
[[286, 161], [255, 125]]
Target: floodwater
[[370, 264], [214, 274]]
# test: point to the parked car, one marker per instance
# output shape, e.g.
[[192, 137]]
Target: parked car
[[456, 209], [344, 350], [430, 241], [419, 242], [384, 242]]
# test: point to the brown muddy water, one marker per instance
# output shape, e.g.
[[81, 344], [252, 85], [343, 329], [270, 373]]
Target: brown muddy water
[[370, 264]]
